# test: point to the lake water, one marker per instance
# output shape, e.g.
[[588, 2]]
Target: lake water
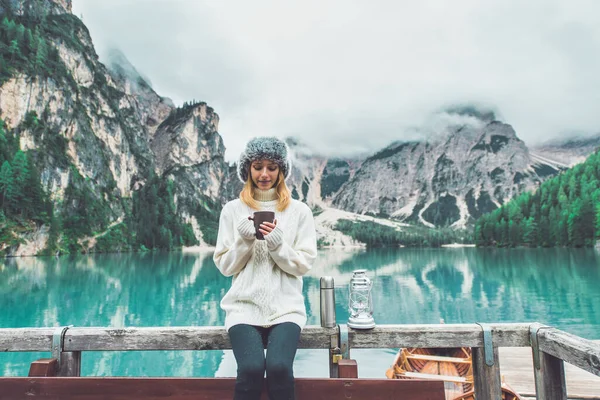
[[558, 287]]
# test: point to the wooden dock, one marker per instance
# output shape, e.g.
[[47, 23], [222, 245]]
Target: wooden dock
[[516, 366], [497, 349]]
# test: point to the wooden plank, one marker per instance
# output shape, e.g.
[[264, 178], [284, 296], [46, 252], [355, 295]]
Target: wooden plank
[[486, 378], [516, 368], [43, 367], [151, 338], [26, 339], [575, 350], [210, 389], [439, 358], [216, 338], [174, 338], [446, 378], [440, 335], [550, 378], [347, 368]]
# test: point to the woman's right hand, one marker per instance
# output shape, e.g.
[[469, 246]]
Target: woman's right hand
[[246, 229]]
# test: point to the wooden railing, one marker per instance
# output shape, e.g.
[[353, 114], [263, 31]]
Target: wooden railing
[[550, 346]]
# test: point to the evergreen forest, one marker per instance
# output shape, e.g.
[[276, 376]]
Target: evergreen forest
[[563, 212]]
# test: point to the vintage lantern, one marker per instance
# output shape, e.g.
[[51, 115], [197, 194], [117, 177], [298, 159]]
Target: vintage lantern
[[360, 304]]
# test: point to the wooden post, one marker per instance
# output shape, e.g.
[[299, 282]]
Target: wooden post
[[333, 344], [43, 367], [550, 378], [488, 385], [70, 364], [348, 368]]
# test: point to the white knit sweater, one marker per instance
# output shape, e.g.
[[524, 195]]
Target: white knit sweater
[[267, 274]]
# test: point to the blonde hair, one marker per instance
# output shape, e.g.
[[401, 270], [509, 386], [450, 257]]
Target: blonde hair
[[284, 196]]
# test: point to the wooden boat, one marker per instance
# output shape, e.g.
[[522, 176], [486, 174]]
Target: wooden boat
[[452, 365]]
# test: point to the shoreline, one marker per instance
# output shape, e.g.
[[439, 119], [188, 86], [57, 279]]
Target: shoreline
[[207, 248]]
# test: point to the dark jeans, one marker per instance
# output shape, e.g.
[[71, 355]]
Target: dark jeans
[[248, 343]]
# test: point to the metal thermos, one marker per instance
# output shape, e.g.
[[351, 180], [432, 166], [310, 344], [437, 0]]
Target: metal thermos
[[327, 302]]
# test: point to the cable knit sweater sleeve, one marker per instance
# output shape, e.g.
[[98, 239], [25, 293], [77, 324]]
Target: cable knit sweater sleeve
[[295, 258], [232, 251]]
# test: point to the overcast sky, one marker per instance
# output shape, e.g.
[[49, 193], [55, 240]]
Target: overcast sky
[[348, 76]]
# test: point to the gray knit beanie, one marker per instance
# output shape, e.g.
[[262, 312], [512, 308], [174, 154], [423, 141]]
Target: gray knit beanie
[[261, 148]]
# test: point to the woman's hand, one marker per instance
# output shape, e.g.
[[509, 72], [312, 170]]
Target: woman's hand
[[246, 229], [272, 233], [267, 227]]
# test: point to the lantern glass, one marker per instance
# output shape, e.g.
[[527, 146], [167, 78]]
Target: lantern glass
[[360, 304]]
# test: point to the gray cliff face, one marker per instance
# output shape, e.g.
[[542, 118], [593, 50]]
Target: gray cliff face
[[89, 124], [109, 128], [150, 108], [337, 172], [189, 150], [315, 178], [36, 8], [447, 181], [186, 138], [232, 186]]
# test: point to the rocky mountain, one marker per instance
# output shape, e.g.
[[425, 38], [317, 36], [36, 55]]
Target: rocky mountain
[[101, 133], [461, 172], [316, 178], [466, 167], [567, 152]]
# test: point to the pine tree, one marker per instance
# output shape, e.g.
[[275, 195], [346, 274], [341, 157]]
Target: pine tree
[[3, 66], [504, 234], [598, 221], [530, 232], [573, 223], [41, 55], [30, 42], [13, 50], [36, 194], [53, 234], [11, 29], [20, 34], [5, 24], [20, 169], [4, 146], [477, 235], [544, 232], [6, 184], [554, 227], [573, 186], [586, 223]]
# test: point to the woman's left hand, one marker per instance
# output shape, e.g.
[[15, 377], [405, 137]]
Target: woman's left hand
[[267, 227]]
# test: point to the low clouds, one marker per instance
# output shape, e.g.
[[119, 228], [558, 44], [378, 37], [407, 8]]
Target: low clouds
[[350, 76]]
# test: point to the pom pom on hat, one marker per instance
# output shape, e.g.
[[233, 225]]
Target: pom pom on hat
[[264, 148]]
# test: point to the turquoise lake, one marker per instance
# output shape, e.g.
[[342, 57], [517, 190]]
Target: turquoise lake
[[558, 287]]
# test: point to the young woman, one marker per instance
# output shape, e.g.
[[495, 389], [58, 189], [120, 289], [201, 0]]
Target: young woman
[[264, 306]]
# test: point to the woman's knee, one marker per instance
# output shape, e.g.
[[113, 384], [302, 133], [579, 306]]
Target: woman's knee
[[279, 370], [251, 370]]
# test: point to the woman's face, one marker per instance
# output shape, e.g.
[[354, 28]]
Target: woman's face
[[264, 173]]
